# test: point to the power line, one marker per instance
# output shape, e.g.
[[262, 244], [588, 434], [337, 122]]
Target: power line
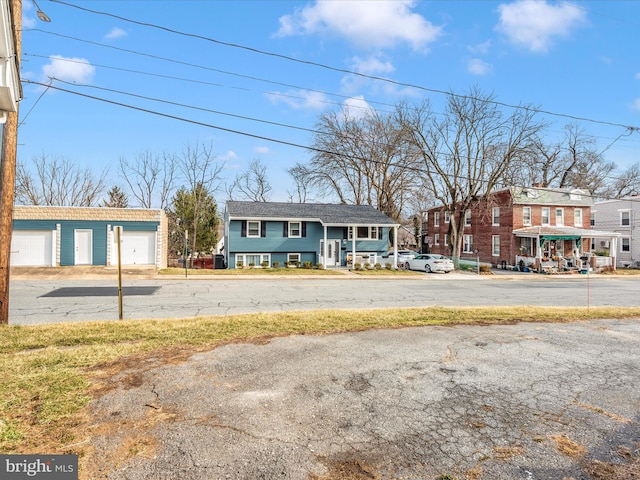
[[247, 134], [203, 67], [344, 70]]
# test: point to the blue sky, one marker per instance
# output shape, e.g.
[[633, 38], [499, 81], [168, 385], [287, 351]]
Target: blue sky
[[575, 59]]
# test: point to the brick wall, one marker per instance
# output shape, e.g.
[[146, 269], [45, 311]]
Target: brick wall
[[23, 212]]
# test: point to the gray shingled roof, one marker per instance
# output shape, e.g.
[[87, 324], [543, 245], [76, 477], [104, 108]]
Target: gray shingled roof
[[327, 214], [551, 196]]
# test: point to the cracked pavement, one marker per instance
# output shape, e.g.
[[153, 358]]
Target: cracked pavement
[[473, 402]]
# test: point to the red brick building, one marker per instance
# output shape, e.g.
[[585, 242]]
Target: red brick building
[[541, 228]]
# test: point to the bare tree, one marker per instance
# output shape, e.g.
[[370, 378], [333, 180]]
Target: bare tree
[[59, 182], [361, 160], [466, 151], [150, 178], [252, 184], [202, 174], [298, 174], [626, 182]]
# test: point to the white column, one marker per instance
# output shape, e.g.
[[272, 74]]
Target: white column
[[395, 246], [353, 246], [324, 249], [613, 250]]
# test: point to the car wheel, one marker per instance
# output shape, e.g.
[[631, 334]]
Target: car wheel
[[427, 268], [406, 266]]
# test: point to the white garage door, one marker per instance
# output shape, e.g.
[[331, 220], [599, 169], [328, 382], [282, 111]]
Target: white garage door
[[32, 248], [138, 248]]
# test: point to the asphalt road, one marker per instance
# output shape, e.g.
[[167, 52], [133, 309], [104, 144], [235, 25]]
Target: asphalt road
[[527, 401], [65, 300]]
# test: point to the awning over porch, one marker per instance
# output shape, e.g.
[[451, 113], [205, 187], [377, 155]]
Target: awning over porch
[[549, 233]]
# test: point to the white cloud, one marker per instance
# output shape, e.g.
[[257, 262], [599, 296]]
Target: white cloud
[[481, 48], [371, 24], [636, 104], [356, 107], [478, 67], [230, 155], [534, 24], [115, 33], [69, 69], [301, 99], [371, 65], [261, 150]]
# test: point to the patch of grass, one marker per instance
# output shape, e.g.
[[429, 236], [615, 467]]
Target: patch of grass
[[385, 272], [49, 372]]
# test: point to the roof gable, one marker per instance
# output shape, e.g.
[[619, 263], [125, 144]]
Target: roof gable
[[551, 196]]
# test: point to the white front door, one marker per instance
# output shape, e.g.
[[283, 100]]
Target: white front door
[[333, 252], [83, 240]]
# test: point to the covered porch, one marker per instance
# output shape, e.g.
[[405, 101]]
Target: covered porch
[[560, 249]]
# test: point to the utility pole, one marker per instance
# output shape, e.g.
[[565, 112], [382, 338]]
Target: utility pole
[[8, 170]]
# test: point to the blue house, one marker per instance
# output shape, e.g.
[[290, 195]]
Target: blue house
[[258, 233]]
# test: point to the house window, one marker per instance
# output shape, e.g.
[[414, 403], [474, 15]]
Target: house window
[[526, 246], [366, 233], [526, 215], [467, 218], [253, 229], [577, 217], [447, 217], [625, 245], [560, 217], [295, 229], [495, 245], [293, 257], [446, 239], [546, 216], [253, 259], [625, 218], [592, 219], [436, 239], [436, 219], [495, 216], [468, 244]]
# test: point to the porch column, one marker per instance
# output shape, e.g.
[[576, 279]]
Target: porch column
[[324, 249], [395, 246], [353, 247], [613, 250]]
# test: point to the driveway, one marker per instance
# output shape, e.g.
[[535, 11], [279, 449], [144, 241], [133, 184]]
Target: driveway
[[527, 401]]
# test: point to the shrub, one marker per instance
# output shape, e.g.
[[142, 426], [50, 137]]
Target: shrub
[[307, 265], [388, 266], [264, 264], [378, 266], [357, 266], [485, 268], [252, 265], [276, 264], [319, 266], [239, 264]]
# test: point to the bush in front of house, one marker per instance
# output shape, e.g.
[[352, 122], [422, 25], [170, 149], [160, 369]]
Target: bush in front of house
[[388, 266], [307, 265], [276, 264], [239, 265]]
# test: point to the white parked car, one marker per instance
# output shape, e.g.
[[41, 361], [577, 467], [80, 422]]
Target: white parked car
[[403, 256], [430, 262]]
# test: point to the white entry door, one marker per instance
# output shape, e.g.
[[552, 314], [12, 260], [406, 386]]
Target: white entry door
[[83, 241], [333, 252]]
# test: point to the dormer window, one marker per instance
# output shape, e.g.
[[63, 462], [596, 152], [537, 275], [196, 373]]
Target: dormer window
[[576, 194]]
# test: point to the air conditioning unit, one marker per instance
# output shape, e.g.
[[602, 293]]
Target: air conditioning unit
[[605, 243]]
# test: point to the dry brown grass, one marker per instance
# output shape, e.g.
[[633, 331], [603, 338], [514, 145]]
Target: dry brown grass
[[50, 372]]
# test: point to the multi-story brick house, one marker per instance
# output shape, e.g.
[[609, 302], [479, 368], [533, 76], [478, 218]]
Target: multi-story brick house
[[621, 216], [542, 227]]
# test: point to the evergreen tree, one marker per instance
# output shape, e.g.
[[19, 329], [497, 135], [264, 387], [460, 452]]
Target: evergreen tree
[[117, 199], [194, 211]]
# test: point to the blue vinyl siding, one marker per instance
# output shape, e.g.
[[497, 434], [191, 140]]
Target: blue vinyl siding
[[276, 244]]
